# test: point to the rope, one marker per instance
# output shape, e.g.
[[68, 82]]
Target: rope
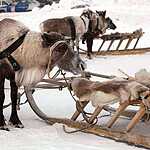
[[89, 126], [56, 74], [78, 105], [79, 109], [80, 130], [50, 59]]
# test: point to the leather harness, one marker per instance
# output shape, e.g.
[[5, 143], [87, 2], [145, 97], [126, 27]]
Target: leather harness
[[6, 53], [72, 27]]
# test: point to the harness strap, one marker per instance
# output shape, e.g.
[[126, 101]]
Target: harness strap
[[97, 23], [14, 63], [72, 27], [49, 67], [90, 26], [7, 52], [83, 21]]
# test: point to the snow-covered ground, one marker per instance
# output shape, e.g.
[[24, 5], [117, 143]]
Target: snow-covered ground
[[128, 15]]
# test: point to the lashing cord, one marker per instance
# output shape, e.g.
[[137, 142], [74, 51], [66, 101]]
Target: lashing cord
[[79, 109]]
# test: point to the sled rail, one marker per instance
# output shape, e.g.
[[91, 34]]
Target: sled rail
[[121, 37], [119, 136]]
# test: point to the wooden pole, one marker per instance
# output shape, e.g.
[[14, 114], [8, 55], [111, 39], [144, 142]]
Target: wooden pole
[[77, 113], [136, 42], [136, 118], [112, 41], [128, 43], [121, 40], [95, 114], [117, 114], [101, 45]]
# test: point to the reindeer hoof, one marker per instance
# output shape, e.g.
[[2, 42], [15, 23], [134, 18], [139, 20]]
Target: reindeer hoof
[[5, 128], [17, 125]]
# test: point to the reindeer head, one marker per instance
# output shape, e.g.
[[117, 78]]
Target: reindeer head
[[67, 59], [103, 22], [62, 54], [110, 24]]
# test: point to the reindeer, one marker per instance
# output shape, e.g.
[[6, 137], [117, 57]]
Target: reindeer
[[86, 26], [105, 23], [37, 55]]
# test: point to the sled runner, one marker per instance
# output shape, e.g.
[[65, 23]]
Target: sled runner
[[91, 124]]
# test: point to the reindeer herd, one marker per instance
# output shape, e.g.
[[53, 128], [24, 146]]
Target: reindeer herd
[[27, 56]]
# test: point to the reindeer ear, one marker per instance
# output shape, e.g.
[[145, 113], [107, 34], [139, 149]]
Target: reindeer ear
[[50, 38], [97, 12], [104, 13], [58, 52], [46, 39]]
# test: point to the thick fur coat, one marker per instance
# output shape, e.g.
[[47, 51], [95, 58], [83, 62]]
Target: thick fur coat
[[103, 93], [38, 52]]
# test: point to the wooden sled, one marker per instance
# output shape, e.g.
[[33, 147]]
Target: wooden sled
[[133, 37], [136, 118], [122, 135]]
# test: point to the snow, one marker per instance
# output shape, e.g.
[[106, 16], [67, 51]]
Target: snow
[[128, 15]]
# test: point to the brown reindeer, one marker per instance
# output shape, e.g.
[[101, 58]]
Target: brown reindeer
[[37, 55], [86, 26], [105, 23]]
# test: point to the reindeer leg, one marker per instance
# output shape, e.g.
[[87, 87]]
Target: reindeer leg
[[14, 119], [2, 97], [136, 118], [89, 42], [95, 113], [117, 113], [77, 113]]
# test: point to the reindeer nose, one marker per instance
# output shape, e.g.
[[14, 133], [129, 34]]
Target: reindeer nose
[[114, 26]]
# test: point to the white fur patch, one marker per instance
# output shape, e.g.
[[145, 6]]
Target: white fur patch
[[99, 98], [29, 76]]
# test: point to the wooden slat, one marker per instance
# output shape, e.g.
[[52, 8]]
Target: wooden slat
[[136, 118], [101, 45], [128, 43], [77, 113], [95, 114], [112, 41], [136, 43], [121, 40], [118, 112]]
